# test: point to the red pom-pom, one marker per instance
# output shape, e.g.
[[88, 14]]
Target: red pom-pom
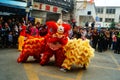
[[52, 27], [67, 27]]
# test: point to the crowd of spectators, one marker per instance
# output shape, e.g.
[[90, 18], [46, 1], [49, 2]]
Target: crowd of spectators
[[12, 28], [100, 39]]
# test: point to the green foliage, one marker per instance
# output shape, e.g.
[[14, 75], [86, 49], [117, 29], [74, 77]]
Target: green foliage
[[112, 25]]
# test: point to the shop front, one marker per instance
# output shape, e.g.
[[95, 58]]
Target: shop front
[[44, 12]]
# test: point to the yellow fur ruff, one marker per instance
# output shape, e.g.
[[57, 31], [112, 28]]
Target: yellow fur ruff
[[78, 52]]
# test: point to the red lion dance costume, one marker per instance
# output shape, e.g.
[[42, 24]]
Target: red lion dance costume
[[51, 44]]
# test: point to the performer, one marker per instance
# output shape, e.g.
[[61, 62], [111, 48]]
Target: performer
[[21, 36], [55, 40]]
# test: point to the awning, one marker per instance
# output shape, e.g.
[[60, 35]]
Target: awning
[[15, 7], [15, 4]]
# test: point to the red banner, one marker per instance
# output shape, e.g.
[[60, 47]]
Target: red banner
[[47, 8], [55, 9], [91, 1], [40, 7]]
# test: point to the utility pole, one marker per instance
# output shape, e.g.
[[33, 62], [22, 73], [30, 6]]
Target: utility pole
[[28, 8]]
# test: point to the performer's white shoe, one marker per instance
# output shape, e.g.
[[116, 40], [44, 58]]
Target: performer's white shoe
[[63, 69]]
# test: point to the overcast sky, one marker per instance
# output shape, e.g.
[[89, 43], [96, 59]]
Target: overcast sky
[[97, 2], [107, 2]]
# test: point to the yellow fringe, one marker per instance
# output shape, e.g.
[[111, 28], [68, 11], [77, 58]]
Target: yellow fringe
[[78, 52]]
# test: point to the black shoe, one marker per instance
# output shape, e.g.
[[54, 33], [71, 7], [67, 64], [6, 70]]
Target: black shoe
[[84, 67], [99, 50], [115, 52], [118, 52]]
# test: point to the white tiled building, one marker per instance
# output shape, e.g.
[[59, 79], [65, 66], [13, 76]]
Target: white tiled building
[[84, 11], [107, 14]]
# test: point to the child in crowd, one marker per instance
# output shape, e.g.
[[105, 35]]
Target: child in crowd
[[10, 39], [114, 41]]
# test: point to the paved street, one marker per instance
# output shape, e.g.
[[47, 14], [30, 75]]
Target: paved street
[[104, 66]]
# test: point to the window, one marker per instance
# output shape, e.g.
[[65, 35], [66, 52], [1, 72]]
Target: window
[[89, 13], [119, 18], [112, 20], [110, 11], [99, 10], [101, 19], [68, 0], [109, 20], [49, 0]]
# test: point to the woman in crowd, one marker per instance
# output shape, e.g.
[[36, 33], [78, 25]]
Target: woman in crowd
[[34, 31], [94, 38]]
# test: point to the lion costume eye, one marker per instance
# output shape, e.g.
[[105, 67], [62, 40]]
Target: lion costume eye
[[51, 30], [60, 29]]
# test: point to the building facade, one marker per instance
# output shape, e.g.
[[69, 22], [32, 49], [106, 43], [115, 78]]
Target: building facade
[[107, 14], [84, 11], [42, 10], [45, 10]]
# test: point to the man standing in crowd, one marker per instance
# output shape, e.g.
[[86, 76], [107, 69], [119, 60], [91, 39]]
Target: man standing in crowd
[[86, 24], [118, 43], [93, 25]]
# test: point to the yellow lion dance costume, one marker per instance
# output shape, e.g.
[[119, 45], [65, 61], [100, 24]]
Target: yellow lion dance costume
[[78, 52]]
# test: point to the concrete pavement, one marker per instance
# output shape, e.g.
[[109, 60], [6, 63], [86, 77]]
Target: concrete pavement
[[104, 66]]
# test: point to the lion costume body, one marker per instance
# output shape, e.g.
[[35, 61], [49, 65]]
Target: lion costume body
[[51, 44], [66, 52], [77, 52]]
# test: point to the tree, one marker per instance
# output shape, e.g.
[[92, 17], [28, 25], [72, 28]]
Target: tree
[[112, 25]]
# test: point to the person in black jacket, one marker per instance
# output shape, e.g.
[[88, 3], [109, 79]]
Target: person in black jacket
[[94, 38], [93, 25], [100, 41]]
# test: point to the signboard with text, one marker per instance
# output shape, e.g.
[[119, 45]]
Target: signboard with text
[[46, 7], [65, 4]]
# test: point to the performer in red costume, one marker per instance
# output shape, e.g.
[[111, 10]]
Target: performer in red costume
[[55, 40]]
